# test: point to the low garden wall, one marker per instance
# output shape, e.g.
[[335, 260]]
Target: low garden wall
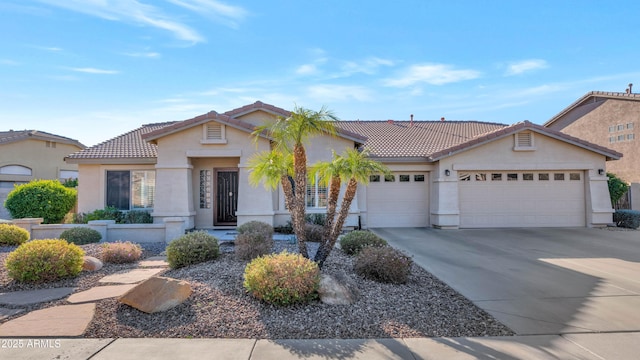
[[167, 231]]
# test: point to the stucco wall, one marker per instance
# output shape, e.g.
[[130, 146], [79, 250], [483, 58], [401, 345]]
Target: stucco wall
[[594, 127]]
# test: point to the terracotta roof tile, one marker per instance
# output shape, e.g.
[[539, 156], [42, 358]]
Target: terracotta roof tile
[[393, 139], [129, 145], [258, 105]]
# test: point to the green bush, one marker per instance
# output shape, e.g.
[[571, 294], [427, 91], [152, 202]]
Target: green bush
[[136, 217], [192, 248], [256, 226], [44, 260], [121, 252], [316, 219], [282, 279], [46, 199], [617, 188], [108, 213], [627, 218], [81, 235], [12, 235], [285, 229], [383, 264], [313, 232], [354, 241]]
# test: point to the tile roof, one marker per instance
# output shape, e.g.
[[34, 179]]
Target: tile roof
[[126, 146], [593, 95], [18, 135], [525, 125], [258, 105], [402, 139]]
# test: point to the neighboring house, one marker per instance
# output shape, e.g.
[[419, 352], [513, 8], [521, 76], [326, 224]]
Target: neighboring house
[[609, 119], [446, 174], [26, 155]]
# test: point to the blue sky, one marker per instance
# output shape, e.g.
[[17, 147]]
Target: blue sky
[[94, 69]]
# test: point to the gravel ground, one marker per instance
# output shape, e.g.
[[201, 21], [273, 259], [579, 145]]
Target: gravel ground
[[220, 308]]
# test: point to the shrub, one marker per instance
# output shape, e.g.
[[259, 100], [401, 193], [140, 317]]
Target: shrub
[[383, 264], [354, 241], [44, 260], [192, 248], [81, 235], [108, 213], [316, 219], [627, 218], [256, 226], [617, 188], [46, 199], [121, 252], [250, 245], [136, 217], [285, 229], [12, 235], [313, 232], [282, 279]]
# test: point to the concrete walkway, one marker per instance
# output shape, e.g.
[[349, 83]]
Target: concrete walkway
[[574, 346]]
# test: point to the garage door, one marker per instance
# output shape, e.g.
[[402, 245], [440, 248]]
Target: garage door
[[521, 199], [398, 200]]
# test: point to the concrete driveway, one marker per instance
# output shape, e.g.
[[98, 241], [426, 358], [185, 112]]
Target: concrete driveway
[[536, 281]]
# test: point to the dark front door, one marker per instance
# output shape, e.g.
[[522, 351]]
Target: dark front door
[[226, 197]]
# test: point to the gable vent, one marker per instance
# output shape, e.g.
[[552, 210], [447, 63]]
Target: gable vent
[[214, 132], [524, 141]]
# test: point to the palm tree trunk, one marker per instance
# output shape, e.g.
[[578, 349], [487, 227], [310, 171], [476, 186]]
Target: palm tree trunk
[[332, 204], [300, 190], [349, 195]]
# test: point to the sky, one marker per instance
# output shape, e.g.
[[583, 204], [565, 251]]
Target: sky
[[95, 69]]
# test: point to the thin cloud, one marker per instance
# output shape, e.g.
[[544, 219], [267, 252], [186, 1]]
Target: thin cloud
[[89, 70], [228, 14], [9, 62], [434, 74], [368, 66], [144, 54], [130, 11], [520, 67], [307, 69], [339, 92]]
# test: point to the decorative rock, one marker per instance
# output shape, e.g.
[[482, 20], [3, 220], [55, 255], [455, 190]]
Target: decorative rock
[[91, 264], [337, 290], [157, 294]]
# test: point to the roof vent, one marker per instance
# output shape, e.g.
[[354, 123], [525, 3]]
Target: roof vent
[[442, 118], [390, 121], [411, 123]]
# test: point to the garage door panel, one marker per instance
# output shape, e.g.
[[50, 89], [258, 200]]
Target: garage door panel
[[398, 204], [520, 203]]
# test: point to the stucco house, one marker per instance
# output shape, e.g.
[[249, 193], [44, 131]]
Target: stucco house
[[446, 174], [27, 155], [609, 119]]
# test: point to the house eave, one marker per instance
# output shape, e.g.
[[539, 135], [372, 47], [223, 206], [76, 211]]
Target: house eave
[[112, 161]]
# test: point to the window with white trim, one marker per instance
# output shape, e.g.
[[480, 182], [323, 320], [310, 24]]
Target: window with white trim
[[316, 195], [129, 190], [15, 170]]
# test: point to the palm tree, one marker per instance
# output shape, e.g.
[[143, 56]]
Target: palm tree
[[354, 166], [288, 136]]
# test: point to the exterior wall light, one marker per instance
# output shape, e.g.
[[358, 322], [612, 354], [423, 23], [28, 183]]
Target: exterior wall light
[[600, 171], [447, 172]]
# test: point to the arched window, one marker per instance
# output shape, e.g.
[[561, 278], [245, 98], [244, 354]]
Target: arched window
[[15, 170]]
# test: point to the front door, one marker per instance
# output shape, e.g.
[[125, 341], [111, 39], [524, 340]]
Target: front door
[[226, 197]]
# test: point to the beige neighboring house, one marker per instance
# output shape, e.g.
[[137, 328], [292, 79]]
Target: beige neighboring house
[[609, 119], [445, 174], [27, 155]]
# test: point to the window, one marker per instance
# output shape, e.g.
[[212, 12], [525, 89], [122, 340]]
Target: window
[[205, 189], [496, 177], [374, 178], [543, 176], [620, 127], [316, 195], [620, 137], [612, 129], [558, 177], [213, 133], [527, 177], [68, 174], [612, 139], [15, 170], [512, 177], [404, 178], [389, 178], [462, 176], [630, 126], [630, 137], [418, 178], [574, 176], [50, 144], [481, 177], [128, 190]]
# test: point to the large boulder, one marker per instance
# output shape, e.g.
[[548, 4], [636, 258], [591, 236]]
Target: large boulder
[[157, 294], [91, 264], [337, 289]]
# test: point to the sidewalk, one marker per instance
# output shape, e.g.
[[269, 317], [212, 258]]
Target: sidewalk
[[619, 346]]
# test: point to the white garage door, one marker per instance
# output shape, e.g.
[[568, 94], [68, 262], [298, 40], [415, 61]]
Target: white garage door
[[521, 199], [398, 200]]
